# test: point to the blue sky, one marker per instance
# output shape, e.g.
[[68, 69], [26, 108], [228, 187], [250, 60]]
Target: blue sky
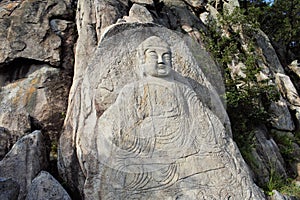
[[269, 1]]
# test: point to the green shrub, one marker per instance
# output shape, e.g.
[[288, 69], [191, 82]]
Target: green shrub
[[247, 98], [282, 185]]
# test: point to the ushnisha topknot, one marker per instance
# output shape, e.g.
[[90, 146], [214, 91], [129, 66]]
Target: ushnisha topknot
[[154, 41]]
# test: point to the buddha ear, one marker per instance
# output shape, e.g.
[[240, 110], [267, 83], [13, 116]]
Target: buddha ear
[[142, 70], [140, 56]]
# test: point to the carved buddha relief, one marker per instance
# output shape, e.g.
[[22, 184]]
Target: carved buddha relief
[[159, 141]]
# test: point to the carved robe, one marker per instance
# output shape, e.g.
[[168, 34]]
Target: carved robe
[[159, 141]]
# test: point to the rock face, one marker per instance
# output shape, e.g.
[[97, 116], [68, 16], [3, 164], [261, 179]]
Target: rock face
[[143, 131], [44, 186], [266, 153], [9, 189], [36, 63], [25, 160], [25, 30], [278, 196], [145, 119]]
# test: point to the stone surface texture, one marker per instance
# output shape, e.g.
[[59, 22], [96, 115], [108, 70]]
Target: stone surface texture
[[25, 31], [25, 160], [281, 116], [138, 13], [44, 186], [29, 103], [267, 154], [36, 64], [294, 66], [131, 131], [196, 3], [9, 189], [278, 196], [150, 105], [269, 52], [6, 141], [143, 2]]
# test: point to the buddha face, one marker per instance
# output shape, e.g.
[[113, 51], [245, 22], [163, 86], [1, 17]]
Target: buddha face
[[157, 62]]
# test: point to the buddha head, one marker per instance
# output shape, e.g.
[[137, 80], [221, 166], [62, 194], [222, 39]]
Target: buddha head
[[154, 55]]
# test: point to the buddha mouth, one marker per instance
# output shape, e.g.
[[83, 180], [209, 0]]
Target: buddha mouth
[[162, 69], [161, 66]]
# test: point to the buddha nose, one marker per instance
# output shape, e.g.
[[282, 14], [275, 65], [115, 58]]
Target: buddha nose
[[160, 60]]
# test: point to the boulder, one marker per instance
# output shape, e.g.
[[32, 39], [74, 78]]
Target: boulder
[[138, 13], [196, 3], [269, 52], [278, 196], [143, 2], [150, 137], [9, 189], [25, 160], [266, 157], [45, 186], [35, 99], [294, 66], [287, 89], [289, 92], [281, 118]]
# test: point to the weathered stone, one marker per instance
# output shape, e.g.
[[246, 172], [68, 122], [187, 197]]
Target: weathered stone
[[59, 26], [30, 100], [267, 157], [45, 26], [287, 89], [6, 141], [25, 30], [204, 17], [281, 118], [138, 13], [289, 92], [33, 96], [194, 33], [294, 66], [32, 35], [237, 70], [93, 17], [16, 125], [286, 143], [143, 2], [268, 51], [25, 160], [178, 14], [9, 189], [18, 46], [45, 186], [212, 13], [277, 196], [230, 5], [196, 3], [183, 161]]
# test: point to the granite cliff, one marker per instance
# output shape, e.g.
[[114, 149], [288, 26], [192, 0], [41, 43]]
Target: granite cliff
[[123, 99]]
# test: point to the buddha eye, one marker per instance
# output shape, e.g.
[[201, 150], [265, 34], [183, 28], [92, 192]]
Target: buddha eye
[[152, 54], [167, 56]]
